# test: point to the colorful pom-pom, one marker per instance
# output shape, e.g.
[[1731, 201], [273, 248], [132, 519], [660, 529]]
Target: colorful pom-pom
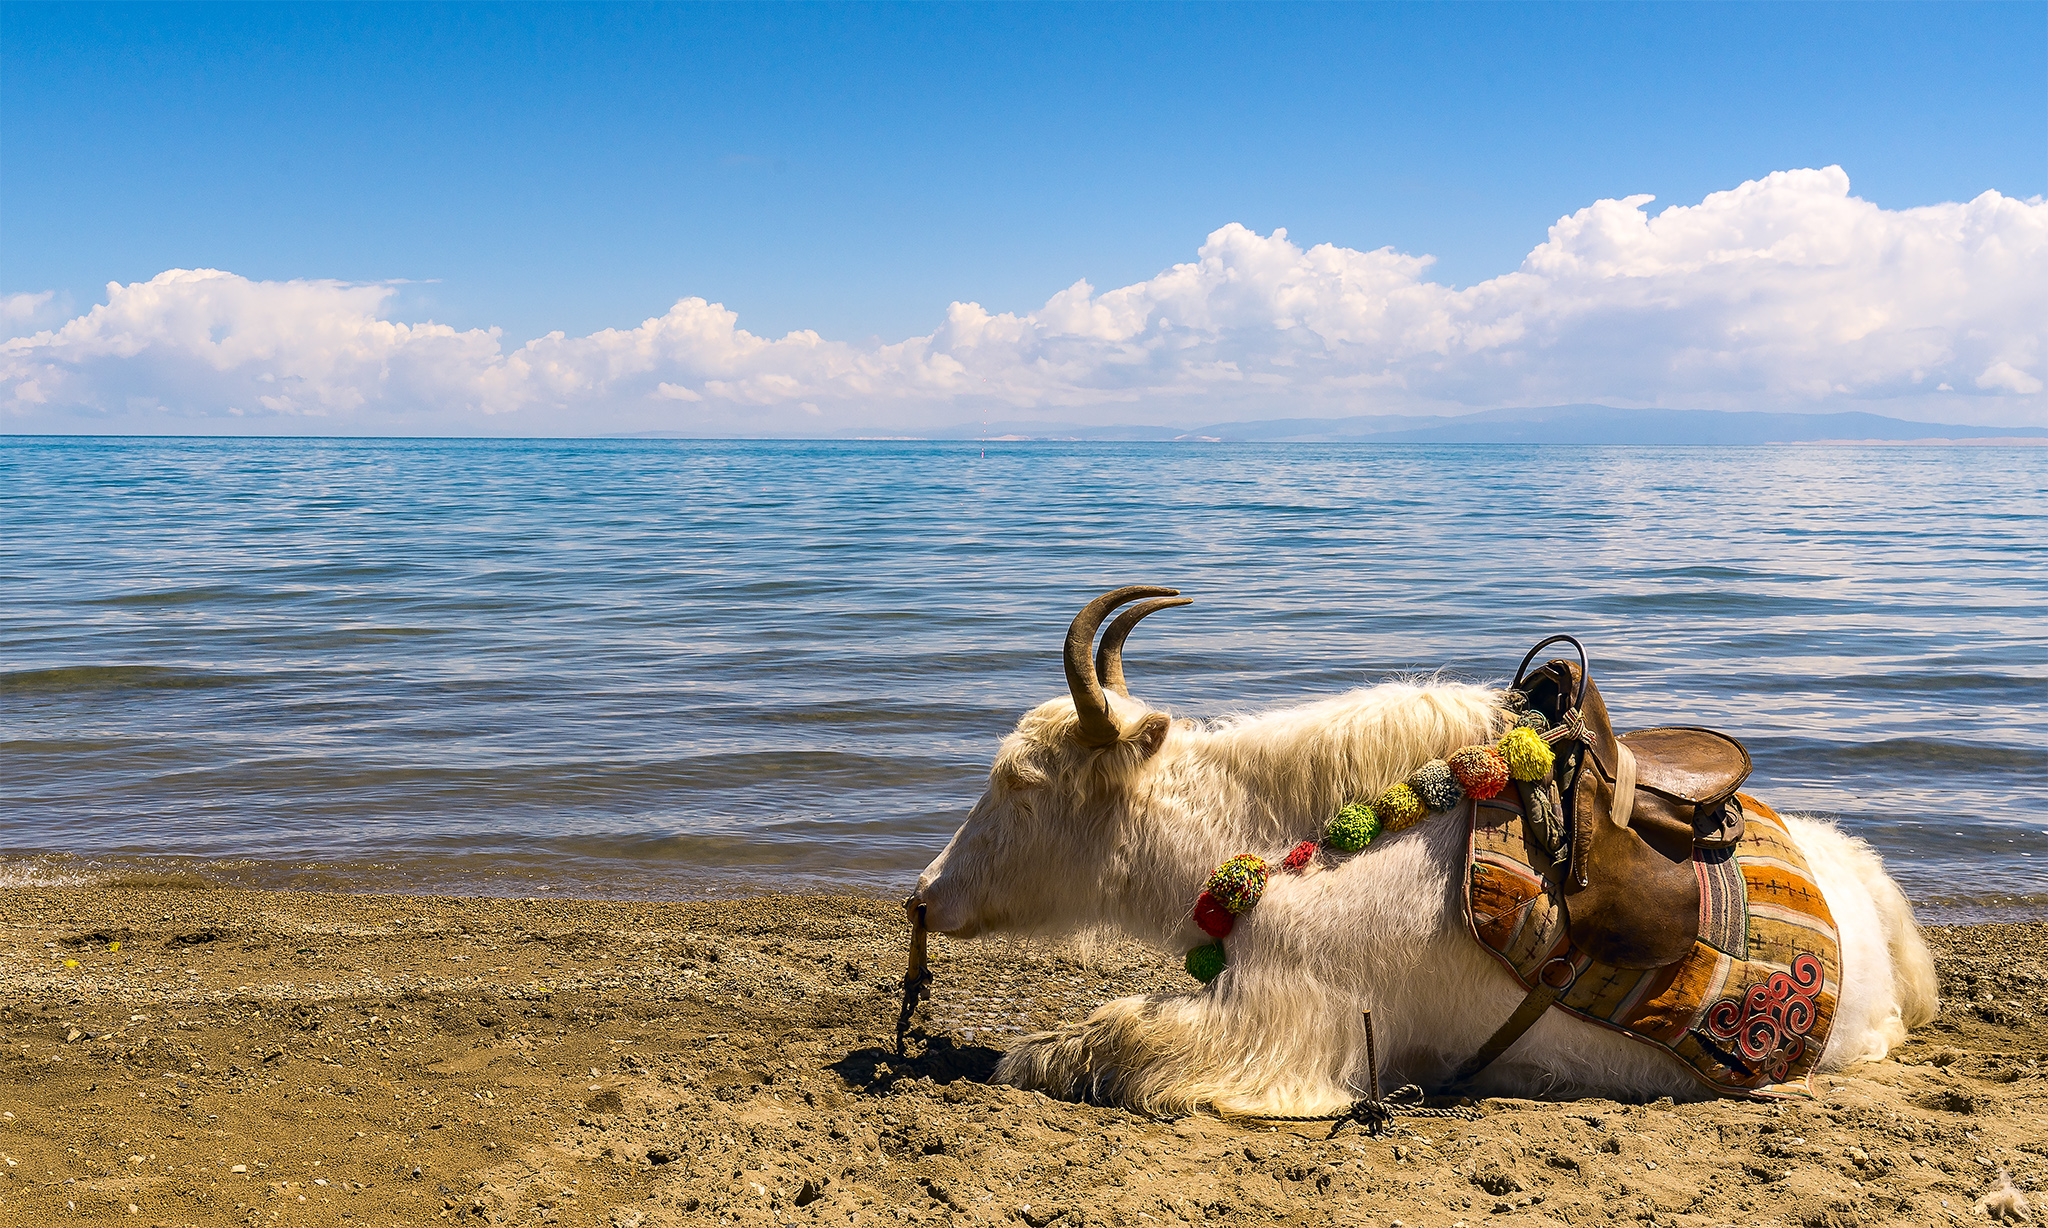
[[1298, 859], [1533, 721], [1435, 785], [1204, 963], [1352, 829], [1238, 883], [1527, 754], [1399, 807], [1212, 916], [1480, 771]]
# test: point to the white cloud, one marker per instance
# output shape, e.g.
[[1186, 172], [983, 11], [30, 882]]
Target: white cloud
[[17, 310], [2005, 377], [1784, 293]]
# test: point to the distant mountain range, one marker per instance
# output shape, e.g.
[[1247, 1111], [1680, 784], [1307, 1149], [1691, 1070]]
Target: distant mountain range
[[1559, 424], [1563, 424]]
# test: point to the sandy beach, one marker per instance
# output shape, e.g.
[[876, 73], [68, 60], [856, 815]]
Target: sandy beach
[[200, 1057]]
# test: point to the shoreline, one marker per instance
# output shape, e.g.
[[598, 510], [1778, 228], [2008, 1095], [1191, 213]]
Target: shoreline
[[391, 1059], [399, 877], [657, 883]]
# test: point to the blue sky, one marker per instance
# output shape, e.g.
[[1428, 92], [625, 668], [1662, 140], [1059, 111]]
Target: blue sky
[[854, 170]]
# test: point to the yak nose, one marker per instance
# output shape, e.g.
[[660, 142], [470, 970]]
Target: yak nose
[[926, 912]]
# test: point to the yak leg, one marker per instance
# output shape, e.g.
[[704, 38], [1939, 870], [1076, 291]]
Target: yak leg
[[1112, 1057], [1176, 1053]]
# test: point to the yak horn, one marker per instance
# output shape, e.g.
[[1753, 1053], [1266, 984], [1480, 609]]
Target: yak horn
[[1109, 657], [1090, 704]]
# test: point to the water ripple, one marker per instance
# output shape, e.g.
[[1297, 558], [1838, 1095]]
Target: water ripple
[[659, 668]]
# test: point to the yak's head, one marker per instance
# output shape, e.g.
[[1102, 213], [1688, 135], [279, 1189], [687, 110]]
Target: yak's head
[[1038, 846]]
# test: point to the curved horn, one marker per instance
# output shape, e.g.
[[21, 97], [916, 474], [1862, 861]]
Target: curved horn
[[1097, 729], [1109, 656]]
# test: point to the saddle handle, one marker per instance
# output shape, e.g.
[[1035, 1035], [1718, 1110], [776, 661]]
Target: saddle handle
[[1585, 667]]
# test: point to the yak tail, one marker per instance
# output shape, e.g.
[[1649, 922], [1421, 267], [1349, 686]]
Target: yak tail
[[1884, 1000], [1912, 963], [1915, 987]]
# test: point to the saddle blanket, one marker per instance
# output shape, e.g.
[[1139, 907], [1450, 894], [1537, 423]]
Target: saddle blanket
[[1747, 1010]]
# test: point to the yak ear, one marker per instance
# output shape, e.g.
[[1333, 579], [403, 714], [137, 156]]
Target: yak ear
[[1018, 776], [1150, 734]]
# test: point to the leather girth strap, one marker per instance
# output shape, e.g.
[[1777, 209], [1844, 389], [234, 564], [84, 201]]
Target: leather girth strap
[[1504, 1037]]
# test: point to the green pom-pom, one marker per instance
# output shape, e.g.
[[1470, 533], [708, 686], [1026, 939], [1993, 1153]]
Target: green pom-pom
[[1352, 829], [1204, 963], [1435, 785]]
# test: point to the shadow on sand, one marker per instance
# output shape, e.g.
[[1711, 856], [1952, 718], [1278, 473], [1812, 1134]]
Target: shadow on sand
[[873, 1071]]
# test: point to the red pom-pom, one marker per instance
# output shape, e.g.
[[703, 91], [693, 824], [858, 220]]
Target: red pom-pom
[[1480, 771], [1212, 916], [1303, 853]]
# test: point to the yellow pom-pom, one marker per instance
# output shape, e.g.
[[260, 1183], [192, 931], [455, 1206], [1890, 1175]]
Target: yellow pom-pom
[[1527, 754], [1399, 807]]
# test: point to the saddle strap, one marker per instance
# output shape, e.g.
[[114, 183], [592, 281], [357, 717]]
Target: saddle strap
[[1624, 786], [1624, 806], [1561, 970], [1524, 1018], [1624, 777]]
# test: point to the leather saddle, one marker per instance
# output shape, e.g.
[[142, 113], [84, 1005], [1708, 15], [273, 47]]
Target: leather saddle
[[1622, 816]]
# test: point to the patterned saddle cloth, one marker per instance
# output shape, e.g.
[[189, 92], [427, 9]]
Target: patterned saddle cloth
[[1747, 1009]]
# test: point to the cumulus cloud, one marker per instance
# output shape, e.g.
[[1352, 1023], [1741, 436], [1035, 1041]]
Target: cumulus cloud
[[19, 309], [1787, 292]]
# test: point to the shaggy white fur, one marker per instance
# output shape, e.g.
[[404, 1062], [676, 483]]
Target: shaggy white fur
[[1068, 838], [2005, 1202]]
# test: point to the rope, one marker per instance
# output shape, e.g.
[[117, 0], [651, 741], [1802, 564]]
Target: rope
[[917, 978], [1377, 1115], [1373, 1111]]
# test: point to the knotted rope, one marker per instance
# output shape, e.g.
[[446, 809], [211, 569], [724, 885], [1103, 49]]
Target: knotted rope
[[1373, 1111]]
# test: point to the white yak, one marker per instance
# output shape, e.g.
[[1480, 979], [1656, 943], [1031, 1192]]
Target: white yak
[[1102, 812]]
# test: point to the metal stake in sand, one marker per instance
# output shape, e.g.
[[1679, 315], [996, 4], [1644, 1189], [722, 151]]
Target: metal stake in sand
[[1369, 1111], [917, 978], [1372, 1061]]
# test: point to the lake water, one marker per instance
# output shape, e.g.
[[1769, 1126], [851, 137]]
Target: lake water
[[655, 668]]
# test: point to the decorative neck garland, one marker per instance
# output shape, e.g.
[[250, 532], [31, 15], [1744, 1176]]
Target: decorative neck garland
[[1477, 772]]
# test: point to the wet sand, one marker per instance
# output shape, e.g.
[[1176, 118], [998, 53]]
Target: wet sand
[[266, 1058]]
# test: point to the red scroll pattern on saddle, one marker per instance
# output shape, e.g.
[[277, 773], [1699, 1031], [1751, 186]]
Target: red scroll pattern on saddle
[[1769, 1024], [1748, 1010]]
